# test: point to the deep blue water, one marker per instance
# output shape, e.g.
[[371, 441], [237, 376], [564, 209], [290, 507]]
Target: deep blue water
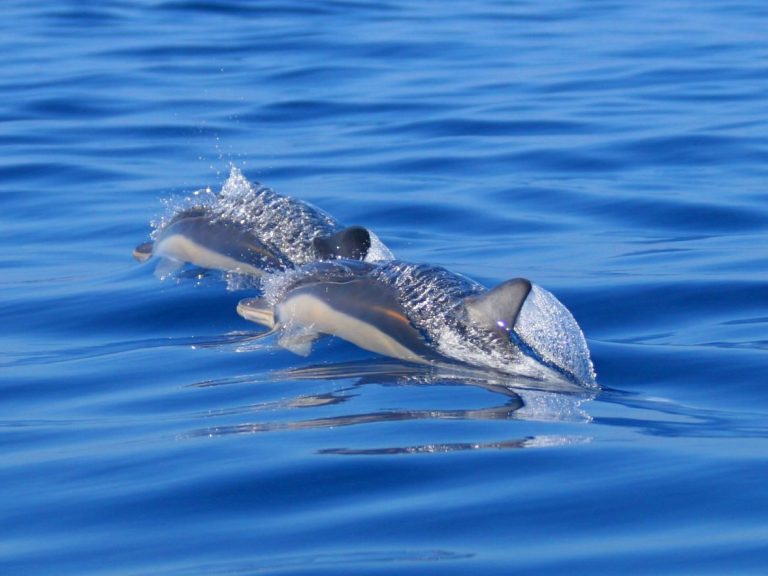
[[614, 152]]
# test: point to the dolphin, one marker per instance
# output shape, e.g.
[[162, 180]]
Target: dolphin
[[195, 236], [192, 236], [248, 228], [423, 314]]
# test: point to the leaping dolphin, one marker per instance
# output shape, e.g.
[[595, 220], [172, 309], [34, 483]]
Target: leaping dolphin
[[250, 229], [422, 313], [195, 236]]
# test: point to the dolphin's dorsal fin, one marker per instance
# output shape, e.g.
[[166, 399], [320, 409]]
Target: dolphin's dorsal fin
[[352, 243], [499, 307]]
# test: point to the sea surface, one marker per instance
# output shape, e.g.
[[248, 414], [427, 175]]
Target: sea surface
[[615, 153]]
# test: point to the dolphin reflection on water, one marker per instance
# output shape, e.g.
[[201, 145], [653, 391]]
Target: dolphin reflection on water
[[514, 397]]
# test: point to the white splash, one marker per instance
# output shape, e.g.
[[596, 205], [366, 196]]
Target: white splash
[[551, 331], [174, 205], [378, 252]]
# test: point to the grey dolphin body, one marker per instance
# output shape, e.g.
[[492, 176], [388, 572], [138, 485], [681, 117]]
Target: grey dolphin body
[[420, 313], [197, 237], [358, 310], [194, 236], [250, 229]]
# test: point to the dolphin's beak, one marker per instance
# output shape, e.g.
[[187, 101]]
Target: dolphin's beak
[[143, 252], [257, 310]]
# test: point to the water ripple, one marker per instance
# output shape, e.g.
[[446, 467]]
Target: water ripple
[[614, 152]]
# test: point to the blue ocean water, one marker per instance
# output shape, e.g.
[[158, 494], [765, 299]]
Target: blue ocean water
[[615, 153]]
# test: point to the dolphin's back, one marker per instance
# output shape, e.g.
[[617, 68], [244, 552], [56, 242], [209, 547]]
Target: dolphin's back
[[286, 224]]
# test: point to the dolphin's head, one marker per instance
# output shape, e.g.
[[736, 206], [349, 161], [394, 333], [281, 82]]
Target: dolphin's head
[[526, 317], [194, 236], [146, 250], [143, 252]]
